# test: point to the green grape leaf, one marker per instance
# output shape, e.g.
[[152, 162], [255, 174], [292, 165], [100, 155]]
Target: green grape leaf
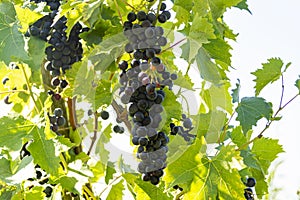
[[210, 125], [252, 109], [243, 6], [68, 183], [26, 17], [103, 94], [125, 168], [218, 96], [35, 193], [209, 71], [217, 177], [36, 50], [98, 171], [11, 40], [270, 72], [297, 84], [182, 9], [116, 192], [219, 49], [147, 191], [5, 171], [218, 7], [236, 92], [13, 130], [110, 171], [43, 152], [104, 138], [182, 170], [238, 137], [266, 150], [107, 51], [171, 105], [250, 160], [197, 34]]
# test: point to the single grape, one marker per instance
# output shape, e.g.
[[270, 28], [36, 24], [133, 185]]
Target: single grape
[[173, 76], [123, 65], [187, 123], [55, 81], [58, 112], [61, 121], [250, 182], [162, 18], [116, 129], [141, 15], [48, 191], [151, 17], [104, 115], [143, 141], [154, 180], [131, 17], [163, 7], [63, 84]]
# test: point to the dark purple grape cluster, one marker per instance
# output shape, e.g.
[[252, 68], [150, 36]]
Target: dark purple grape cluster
[[42, 27], [184, 130], [145, 40], [145, 109], [63, 51], [53, 4], [57, 119], [248, 192]]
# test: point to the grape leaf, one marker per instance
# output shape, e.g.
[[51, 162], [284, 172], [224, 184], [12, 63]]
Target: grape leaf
[[36, 50], [35, 193], [270, 72], [238, 137], [116, 192], [172, 106], [5, 171], [11, 40], [13, 130], [297, 84], [243, 6], [68, 183], [103, 94], [98, 171], [110, 171], [252, 109], [103, 139], [219, 49], [182, 170], [236, 92], [217, 177], [198, 33], [209, 71], [43, 152], [125, 168], [266, 150], [218, 7], [26, 17], [147, 191], [217, 96]]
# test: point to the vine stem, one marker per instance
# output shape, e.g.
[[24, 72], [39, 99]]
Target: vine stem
[[94, 138], [121, 114], [12, 91], [72, 112], [77, 172], [268, 123], [221, 139], [119, 13], [111, 183], [172, 46], [129, 5], [29, 89]]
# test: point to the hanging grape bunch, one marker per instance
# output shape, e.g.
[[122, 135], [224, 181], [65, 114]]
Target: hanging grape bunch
[[248, 192], [142, 82]]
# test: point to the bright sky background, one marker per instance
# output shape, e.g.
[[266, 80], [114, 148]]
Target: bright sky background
[[272, 31]]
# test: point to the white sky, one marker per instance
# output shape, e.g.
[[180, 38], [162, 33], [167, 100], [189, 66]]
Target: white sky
[[272, 31]]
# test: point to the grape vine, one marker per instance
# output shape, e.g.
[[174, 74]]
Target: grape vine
[[111, 96]]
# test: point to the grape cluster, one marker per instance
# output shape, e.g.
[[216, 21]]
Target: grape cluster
[[53, 4], [63, 51], [183, 130], [248, 193], [57, 119], [42, 27], [145, 110]]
